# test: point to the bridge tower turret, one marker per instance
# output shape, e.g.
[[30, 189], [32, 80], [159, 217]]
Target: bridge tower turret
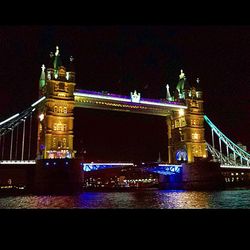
[[55, 125], [186, 132]]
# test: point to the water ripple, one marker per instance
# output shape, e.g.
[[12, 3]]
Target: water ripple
[[149, 199]]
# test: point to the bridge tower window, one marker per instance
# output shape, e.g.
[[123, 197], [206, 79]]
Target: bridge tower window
[[195, 136], [64, 142], [61, 86], [55, 109], [54, 142], [59, 144], [65, 110]]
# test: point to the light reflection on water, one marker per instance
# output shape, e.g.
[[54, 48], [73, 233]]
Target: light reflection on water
[[152, 199]]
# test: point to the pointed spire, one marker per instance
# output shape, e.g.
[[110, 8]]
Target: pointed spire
[[169, 97], [182, 75], [42, 77], [181, 85], [57, 60], [57, 51]]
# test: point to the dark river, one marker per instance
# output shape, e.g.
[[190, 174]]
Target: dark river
[[149, 199]]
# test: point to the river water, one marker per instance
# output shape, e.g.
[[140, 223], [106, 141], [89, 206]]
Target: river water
[[146, 199]]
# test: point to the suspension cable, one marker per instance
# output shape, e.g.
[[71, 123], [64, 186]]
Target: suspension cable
[[30, 136], [16, 142], [23, 138], [11, 143], [3, 147]]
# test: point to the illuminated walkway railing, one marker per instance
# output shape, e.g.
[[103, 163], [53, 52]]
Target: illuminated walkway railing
[[238, 152], [99, 166], [165, 169], [5, 162]]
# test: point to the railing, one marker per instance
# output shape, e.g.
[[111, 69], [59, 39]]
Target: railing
[[218, 154]]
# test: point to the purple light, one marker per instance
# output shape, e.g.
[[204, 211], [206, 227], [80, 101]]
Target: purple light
[[115, 97]]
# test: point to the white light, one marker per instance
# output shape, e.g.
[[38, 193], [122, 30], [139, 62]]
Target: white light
[[168, 165], [41, 117], [35, 103], [135, 97], [17, 162], [128, 100], [164, 104], [12, 117], [238, 167], [114, 164], [103, 97], [181, 112], [43, 67]]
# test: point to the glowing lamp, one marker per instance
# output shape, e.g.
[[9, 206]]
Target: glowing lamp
[[41, 117], [181, 112]]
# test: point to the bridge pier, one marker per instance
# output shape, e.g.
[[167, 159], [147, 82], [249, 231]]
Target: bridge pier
[[59, 176], [199, 175]]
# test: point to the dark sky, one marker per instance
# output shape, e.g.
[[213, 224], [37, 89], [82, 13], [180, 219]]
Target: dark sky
[[119, 59]]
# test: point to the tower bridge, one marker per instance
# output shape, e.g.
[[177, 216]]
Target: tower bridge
[[58, 97]]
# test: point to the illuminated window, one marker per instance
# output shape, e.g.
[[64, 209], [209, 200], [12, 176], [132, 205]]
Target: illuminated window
[[54, 142], [194, 122], [66, 88], [56, 87], [60, 127], [55, 109], [61, 86], [183, 122], [64, 142], [177, 124], [195, 136], [60, 109], [65, 110], [59, 144]]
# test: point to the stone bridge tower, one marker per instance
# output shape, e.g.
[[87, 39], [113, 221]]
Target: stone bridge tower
[[55, 125], [186, 132]]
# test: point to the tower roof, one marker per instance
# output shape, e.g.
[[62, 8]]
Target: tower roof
[[42, 77]]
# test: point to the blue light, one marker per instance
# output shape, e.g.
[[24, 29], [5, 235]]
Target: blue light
[[181, 155], [54, 163], [47, 164], [165, 169]]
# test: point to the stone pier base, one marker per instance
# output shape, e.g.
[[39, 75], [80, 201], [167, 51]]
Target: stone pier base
[[200, 175], [60, 176]]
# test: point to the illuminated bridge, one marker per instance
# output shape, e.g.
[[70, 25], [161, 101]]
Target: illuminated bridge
[[54, 112], [108, 101]]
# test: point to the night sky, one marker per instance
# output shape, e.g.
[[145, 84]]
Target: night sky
[[120, 59]]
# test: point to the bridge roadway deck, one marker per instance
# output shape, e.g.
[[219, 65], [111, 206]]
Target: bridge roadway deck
[[107, 101]]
